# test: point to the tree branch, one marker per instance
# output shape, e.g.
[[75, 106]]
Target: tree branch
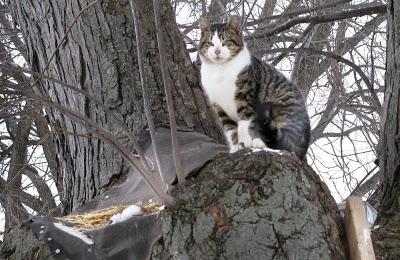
[[41, 186], [296, 13], [146, 98], [364, 77], [168, 95], [379, 9]]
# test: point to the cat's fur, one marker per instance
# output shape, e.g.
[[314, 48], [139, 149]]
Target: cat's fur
[[257, 105]]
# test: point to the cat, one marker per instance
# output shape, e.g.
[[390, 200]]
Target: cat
[[257, 106]]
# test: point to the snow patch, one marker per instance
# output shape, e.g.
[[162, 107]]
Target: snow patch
[[74, 232], [130, 211], [253, 150]]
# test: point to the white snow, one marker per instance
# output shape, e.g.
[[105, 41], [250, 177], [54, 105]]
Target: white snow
[[372, 214], [253, 150], [126, 214], [74, 233]]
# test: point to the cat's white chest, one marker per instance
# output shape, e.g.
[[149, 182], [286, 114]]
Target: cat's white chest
[[220, 89], [219, 82]]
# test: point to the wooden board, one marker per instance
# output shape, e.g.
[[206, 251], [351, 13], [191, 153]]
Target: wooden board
[[357, 230]]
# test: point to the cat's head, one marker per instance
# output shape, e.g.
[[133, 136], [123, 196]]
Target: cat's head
[[220, 43]]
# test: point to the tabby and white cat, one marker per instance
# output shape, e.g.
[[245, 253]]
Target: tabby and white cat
[[257, 105]]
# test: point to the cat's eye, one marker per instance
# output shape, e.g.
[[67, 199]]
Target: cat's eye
[[210, 43], [228, 43]]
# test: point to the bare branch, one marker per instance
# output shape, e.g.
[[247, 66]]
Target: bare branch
[[379, 9], [296, 13], [146, 98], [41, 186], [340, 59], [15, 212], [168, 95]]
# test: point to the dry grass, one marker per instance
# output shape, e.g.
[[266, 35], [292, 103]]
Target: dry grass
[[150, 207], [101, 218]]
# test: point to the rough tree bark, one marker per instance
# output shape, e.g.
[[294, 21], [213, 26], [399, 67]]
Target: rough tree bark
[[387, 234], [259, 206], [99, 56]]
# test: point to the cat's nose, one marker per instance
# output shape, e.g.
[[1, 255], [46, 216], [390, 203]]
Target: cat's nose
[[217, 51]]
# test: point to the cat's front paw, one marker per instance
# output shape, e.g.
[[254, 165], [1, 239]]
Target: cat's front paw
[[254, 143], [243, 133], [234, 148], [258, 143], [232, 139], [245, 138]]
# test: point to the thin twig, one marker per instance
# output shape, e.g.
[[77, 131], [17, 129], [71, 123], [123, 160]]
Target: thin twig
[[294, 43], [356, 68], [168, 95], [146, 98]]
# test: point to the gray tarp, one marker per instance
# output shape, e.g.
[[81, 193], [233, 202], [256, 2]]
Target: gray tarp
[[133, 238]]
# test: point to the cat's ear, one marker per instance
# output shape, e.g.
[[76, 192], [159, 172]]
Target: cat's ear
[[235, 23], [205, 23]]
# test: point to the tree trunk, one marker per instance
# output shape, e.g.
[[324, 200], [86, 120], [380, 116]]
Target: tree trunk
[[99, 56], [258, 206], [387, 234]]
